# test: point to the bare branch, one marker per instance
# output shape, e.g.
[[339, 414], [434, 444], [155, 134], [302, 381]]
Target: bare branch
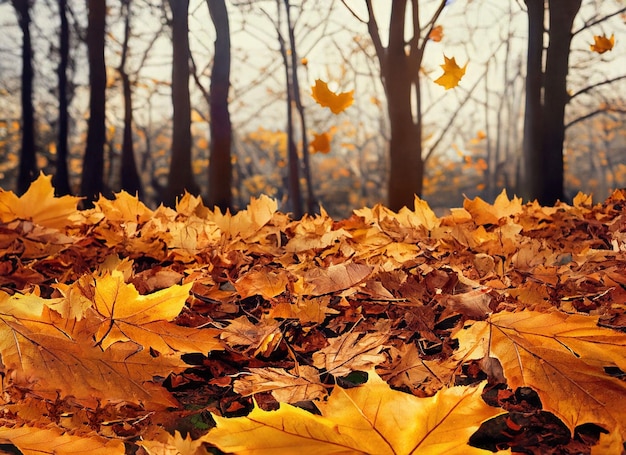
[[591, 87], [593, 114], [598, 20]]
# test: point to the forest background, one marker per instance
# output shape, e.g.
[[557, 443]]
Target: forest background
[[157, 97]]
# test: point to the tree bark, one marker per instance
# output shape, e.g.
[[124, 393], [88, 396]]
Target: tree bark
[[533, 110], [61, 180], [92, 183], [181, 177], [130, 180], [562, 14], [27, 170], [220, 167]]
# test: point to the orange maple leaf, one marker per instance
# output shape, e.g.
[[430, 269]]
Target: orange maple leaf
[[321, 142], [602, 44], [336, 102], [436, 34], [452, 73], [539, 350]]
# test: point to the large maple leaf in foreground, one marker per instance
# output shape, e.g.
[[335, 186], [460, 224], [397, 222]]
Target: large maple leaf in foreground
[[371, 418], [560, 356]]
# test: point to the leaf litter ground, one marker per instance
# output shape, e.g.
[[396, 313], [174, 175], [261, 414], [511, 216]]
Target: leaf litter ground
[[498, 327]]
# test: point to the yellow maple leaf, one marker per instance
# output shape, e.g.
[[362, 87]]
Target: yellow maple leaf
[[336, 102], [452, 73], [602, 44], [38, 205], [371, 418], [321, 142], [562, 357], [127, 316]]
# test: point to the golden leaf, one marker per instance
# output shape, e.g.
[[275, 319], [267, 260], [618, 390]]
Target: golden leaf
[[127, 316], [336, 102], [452, 73], [560, 356], [39, 205], [371, 418], [300, 384], [602, 44], [485, 213], [33, 440]]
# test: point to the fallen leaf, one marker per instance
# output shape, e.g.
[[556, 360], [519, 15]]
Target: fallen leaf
[[351, 351], [562, 357], [369, 419], [299, 384], [39, 205]]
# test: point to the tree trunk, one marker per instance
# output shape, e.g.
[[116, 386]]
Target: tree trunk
[[181, 172], [27, 170], [61, 178], [292, 151], [310, 196], [405, 146], [533, 108], [92, 183], [562, 14], [130, 180], [220, 167]]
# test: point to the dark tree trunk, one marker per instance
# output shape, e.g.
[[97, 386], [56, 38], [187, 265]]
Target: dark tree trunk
[[27, 170], [293, 160], [61, 178], [562, 14], [92, 183], [181, 173], [310, 196], [533, 108], [130, 180], [220, 168]]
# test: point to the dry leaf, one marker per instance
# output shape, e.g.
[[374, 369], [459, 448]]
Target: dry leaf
[[369, 419], [351, 351], [336, 102], [602, 44], [452, 73]]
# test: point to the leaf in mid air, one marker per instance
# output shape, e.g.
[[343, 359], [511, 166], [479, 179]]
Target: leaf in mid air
[[336, 102], [602, 44], [321, 143], [562, 357], [452, 73], [368, 419], [436, 34]]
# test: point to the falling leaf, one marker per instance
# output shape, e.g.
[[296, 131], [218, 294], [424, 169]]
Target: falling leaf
[[539, 350], [452, 73], [321, 143], [436, 34], [371, 418], [602, 44], [336, 102]]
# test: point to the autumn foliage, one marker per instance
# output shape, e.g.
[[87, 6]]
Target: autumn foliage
[[130, 330]]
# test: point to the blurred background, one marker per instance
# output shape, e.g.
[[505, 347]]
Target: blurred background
[[213, 97]]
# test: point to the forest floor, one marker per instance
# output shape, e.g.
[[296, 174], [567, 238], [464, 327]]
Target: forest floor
[[497, 327]]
